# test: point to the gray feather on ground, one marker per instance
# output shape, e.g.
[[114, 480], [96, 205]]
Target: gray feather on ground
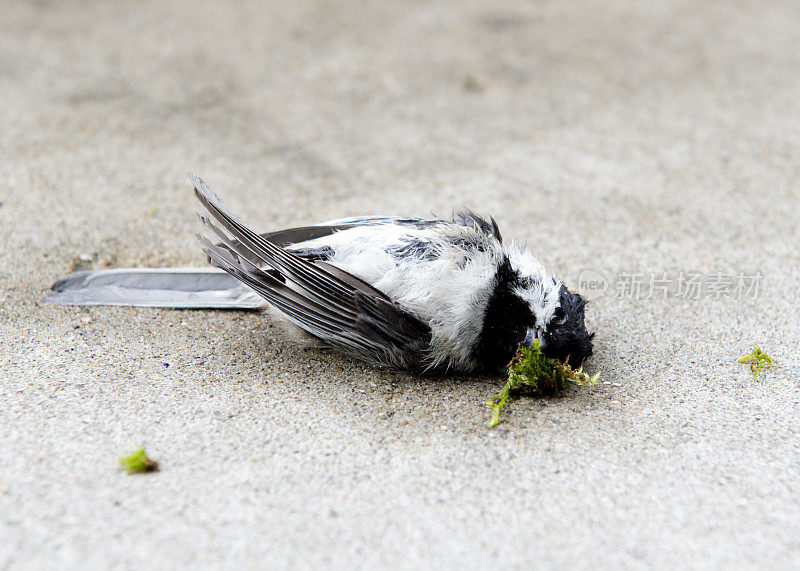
[[186, 288]]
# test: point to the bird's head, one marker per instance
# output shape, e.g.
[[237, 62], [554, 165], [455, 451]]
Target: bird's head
[[561, 329], [527, 303], [556, 315]]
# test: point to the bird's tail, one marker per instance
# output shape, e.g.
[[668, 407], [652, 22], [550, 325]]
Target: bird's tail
[[187, 288]]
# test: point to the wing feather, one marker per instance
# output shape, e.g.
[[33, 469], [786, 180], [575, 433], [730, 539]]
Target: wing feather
[[323, 299]]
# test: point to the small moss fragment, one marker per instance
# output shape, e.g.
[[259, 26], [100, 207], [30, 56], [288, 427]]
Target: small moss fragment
[[758, 361], [137, 462], [531, 373]]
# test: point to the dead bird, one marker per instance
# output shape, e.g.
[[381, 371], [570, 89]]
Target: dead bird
[[422, 294]]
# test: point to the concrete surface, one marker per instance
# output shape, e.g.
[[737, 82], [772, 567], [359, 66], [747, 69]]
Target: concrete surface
[[621, 137]]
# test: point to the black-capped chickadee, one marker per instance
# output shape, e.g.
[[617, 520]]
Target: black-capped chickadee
[[426, 295]]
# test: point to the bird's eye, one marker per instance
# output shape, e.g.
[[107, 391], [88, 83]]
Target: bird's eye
[[559, 317]]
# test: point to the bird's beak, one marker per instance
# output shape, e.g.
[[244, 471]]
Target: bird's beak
[[531, 335]]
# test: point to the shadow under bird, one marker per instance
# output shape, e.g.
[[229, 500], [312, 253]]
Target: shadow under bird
[[422, 294]]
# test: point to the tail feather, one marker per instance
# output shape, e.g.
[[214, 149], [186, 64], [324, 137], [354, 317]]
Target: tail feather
[[187, 288]]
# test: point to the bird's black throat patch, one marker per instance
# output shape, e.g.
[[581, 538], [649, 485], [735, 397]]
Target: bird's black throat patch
[[505, 322]]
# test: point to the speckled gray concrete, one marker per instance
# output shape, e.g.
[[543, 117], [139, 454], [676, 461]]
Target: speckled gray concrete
[[609, 135]]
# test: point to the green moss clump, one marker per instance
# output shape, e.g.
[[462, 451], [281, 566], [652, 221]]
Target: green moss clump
[[137, 462], [531, 373], [758, 361]]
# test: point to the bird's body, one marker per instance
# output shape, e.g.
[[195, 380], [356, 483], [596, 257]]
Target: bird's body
[[444, 272], [413, 293]]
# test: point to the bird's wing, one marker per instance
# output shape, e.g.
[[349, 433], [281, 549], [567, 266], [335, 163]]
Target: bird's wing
[[326, 301]]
